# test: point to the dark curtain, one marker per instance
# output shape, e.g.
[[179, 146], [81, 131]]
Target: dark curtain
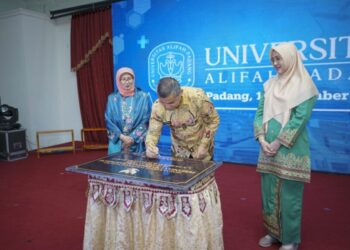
[[91, 58]]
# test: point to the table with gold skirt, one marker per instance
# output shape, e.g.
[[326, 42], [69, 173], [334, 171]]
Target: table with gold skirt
[[122, 214]]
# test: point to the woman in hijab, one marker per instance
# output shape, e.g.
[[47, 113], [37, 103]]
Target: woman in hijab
[[284, 159], [127, 115]]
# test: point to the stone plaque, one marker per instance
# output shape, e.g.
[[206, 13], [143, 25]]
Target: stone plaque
[[165, 172]]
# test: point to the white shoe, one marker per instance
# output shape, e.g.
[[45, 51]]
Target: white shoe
[[267, 241], [292, 246]]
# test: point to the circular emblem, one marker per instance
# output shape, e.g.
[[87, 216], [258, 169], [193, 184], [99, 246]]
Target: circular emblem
[[171, 59]]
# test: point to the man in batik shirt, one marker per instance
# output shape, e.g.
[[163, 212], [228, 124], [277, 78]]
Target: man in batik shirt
[[191, 117]]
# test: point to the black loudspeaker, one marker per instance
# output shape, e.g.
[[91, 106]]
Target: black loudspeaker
[[13, 145], [8, 118]]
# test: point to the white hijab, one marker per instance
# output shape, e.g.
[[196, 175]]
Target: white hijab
[[287, 90]]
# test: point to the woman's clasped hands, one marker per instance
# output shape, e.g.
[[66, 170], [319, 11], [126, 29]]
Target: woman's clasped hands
[[269, 149]]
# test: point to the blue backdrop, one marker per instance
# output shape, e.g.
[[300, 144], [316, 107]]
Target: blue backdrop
[[222, 47]]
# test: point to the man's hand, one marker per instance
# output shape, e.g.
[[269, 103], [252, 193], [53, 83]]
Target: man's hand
[[151, 154], [201, 152]]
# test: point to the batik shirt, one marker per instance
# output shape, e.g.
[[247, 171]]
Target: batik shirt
[[193, 123], [292, 160]]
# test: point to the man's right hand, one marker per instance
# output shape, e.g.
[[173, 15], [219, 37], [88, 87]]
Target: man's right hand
[[151, 154]]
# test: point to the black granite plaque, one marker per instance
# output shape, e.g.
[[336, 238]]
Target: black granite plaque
[[165, 172]]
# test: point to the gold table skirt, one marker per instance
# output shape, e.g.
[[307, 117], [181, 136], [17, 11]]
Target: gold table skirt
[[121, 216]]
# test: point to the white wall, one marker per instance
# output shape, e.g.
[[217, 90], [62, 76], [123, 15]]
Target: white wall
[[43, 6], [35, 74]]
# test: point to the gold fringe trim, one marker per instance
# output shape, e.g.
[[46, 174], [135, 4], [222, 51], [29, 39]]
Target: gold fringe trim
[[92, 51]]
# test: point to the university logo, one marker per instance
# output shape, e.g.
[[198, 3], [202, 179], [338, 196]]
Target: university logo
[[171, 59]]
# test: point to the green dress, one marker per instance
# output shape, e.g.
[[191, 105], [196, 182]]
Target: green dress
[[283, 175]]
